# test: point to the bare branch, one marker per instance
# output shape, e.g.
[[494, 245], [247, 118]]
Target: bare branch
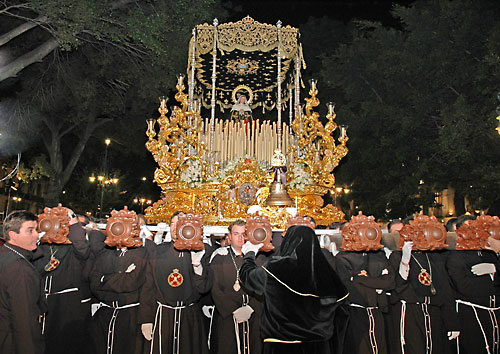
[[6, 10], [36, 55], [5, 38]]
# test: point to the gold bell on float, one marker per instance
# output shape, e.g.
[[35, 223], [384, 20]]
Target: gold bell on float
[[278, 194]]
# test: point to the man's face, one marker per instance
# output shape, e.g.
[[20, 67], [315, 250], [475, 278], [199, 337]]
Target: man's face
[[237, 236], [173, 221], [397, 227], [26, 237]]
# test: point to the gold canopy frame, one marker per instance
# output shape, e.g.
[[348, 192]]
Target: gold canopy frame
[[221, 168]]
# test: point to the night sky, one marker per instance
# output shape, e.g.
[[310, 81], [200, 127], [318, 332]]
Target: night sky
[[297, 12]]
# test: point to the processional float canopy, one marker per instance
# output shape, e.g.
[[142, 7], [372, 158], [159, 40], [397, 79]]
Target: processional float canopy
[[55, 223]]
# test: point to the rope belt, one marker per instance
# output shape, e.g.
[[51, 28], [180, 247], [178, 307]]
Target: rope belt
[[371, 321], [111, 326], [177, 324], [246, 331], [494, 324], [427, 323]]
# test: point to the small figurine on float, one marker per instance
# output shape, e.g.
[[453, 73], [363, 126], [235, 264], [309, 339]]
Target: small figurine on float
[[241, 110]]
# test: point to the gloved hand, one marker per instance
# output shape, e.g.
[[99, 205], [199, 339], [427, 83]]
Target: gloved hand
[[222, 251], [196, 261], [324, 241], [250, 247], [453, 334], [147, 330], [130, 268], [406, 256], [388, 252], [196, 256], [333, 248], [243, 313], [483, 268], [72, 217], [145, 232]]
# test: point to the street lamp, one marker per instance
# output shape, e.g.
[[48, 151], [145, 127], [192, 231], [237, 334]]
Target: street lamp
[[141, 201]]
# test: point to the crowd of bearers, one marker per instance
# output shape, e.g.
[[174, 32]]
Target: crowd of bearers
[[90, 295]]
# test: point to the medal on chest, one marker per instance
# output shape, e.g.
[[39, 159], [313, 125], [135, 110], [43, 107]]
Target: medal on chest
[[175, 278], [53, 263], [424, 277], [236, 285]]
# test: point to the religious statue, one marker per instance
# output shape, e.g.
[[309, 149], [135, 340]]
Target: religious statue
[[241, 110]]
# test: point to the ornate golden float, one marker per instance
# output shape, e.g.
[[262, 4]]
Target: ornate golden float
[[220, 166]]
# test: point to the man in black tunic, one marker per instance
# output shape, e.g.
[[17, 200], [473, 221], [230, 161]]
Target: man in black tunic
[[116, 281], [169, 312], [61, 267], [237, 316], [472, 272], [21, 301]]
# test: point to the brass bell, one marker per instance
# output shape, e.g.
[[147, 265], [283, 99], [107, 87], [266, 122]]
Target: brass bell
[[278, 195]]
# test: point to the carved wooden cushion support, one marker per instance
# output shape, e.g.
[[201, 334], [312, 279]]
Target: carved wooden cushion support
[[55, 223], [362, 233], [426, 233], [122, 229], [473, 235], [259, 231], [189, 232]]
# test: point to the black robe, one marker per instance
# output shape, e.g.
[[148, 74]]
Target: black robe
[[424, 317], [67, 293], [478, 298], [301, 293], [21, 303], [226, 299], [174, 308], [115, 328], [361, 272]]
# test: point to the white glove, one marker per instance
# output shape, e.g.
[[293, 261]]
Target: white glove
[[221, 251], [453, 334], [250, 247], [145, 232], [196, 261], [324, 241], [388, 252], [162, 229], [483, 268], [196, 256], [243, 313], [333, 248], [405, 258], [147, 330], [130, 268]]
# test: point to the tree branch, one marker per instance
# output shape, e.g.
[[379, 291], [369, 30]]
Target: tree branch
[[36, 55], [7, 37]]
